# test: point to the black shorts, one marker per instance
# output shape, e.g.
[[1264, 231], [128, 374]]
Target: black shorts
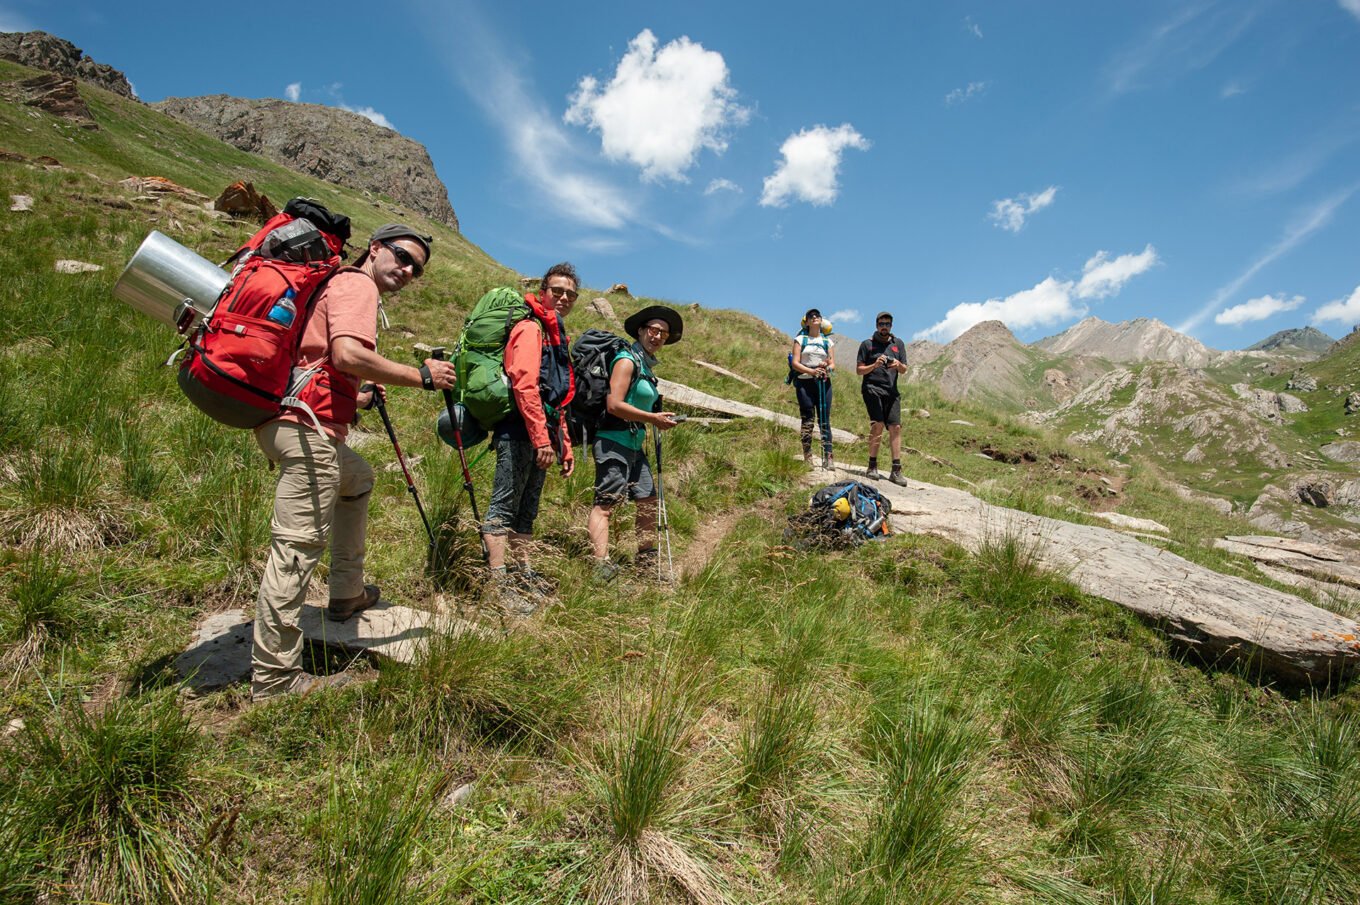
[[884, 407]]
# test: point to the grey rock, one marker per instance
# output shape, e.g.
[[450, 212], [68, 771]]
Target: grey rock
[[219, 655], [1352, 403], [600, 305], [52, 54], [76, 267], [1302, 382], [21, 203], [327, 142], [1343, 451]]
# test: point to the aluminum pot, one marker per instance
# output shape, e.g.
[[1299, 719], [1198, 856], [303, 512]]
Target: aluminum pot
[[164, 275]]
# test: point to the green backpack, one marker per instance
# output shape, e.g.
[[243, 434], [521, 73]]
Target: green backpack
[[479, 357]]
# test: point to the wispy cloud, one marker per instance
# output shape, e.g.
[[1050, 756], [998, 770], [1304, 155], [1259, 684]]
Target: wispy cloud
[[293, 92], [1257, 309], [1346, 310], [540, 148], [975, 30], [812, 160], [1351, 6], [1010, 213], [1048, 302], [959, 95], [662, 106], [1295, 234], [846, 316], [1287, 171], [1189, 40], [722, 185], [12, 21], [1233, 88]]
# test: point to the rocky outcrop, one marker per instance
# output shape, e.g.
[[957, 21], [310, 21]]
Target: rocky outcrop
[[52, 94], [1143, 339], [326, 142], [51, 54], [1269, 405], [240, 199], [987, 360]]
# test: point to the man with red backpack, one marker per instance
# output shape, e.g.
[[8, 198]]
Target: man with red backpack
[[323, 486], [534, 435]]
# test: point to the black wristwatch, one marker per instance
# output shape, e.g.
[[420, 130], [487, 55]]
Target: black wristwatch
[[426, 379]]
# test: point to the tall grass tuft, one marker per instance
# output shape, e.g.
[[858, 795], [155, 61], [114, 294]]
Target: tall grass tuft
[[917, 840], [370, 837], [40, 610], [102, 803], [1006, 574]]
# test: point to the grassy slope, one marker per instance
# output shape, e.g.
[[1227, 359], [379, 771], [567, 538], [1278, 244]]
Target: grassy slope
[[898, 723]]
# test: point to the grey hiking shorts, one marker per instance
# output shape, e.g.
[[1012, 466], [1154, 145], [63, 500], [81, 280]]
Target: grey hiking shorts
[[621, 473]]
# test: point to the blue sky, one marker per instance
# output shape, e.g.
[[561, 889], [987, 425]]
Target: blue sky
[[1197, 162]]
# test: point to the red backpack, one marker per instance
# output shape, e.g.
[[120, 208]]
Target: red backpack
[[239, 369]]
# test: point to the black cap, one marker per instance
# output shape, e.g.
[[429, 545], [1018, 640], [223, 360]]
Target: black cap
[[389, 231], [882, 315]]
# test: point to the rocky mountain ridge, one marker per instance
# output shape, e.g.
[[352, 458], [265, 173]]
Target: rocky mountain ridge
[[1140, 339], [52, 54], [1306, 342], [326, 142]]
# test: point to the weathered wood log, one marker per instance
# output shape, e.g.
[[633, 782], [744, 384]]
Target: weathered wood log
[[717, 369], [678, 392], [1221, 618]]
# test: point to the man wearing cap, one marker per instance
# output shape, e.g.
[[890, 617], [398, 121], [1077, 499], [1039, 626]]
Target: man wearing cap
[[529, 439], [323, 485], [621, 467], [882, 357]]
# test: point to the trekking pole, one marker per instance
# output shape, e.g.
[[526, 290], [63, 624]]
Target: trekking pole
[[823, 416], [663, 522], [401, 459], [456, 423]]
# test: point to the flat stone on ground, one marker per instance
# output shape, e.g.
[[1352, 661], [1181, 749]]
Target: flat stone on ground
[[219, 655], [386, 630]]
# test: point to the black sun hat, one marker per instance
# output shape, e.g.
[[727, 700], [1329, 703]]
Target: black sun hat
[[633, 325]]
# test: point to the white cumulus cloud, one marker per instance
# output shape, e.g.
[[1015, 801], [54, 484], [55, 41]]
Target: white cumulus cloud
[[1346, 310], [293, 92], [721, 185], [1011, 213], [1257, 309], [812, 160], [1048, 302], [371, 115], [1102, 276], [959, 95], [662, 107], [845, 316]]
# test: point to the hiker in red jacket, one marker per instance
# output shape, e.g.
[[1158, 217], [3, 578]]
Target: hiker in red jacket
[[323, 487], [531, 438]]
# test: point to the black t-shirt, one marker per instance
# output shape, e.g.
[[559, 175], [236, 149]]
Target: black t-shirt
[[881, 380]]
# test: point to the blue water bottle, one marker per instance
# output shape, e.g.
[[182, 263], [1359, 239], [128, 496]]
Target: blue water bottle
[[284, 310]]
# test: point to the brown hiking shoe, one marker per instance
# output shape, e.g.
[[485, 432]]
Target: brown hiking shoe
[[308, 683], [874, 474], [340, 610], [897, 478]]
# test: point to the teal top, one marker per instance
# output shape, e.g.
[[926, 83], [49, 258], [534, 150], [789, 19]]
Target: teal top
[[643, 395]]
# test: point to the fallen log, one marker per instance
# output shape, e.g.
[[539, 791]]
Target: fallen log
[[1221, 618], [678, 392]]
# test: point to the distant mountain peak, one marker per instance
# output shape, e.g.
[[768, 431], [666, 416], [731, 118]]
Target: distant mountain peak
[[1140, 339], [1304, 341]]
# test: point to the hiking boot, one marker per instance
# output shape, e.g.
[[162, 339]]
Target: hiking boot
[[807, 460], [828, 463], [339, 610], [605, 571], [513, 603], [897, 478], [309, 683], [874, 474], [533, 583]]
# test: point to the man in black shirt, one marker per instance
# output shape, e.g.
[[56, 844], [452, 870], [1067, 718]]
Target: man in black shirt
[[881, 358]]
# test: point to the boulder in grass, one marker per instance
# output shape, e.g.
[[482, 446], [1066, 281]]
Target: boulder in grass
[[21, 203], [77, 267], [241, 200], [621, 289]]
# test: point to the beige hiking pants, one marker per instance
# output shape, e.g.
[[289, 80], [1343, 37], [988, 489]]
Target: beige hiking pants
[[322, 493]]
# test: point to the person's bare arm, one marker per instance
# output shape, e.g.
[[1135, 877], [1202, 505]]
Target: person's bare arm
[[353, 357]]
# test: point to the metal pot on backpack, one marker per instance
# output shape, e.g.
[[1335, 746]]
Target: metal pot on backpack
[[168, 282]]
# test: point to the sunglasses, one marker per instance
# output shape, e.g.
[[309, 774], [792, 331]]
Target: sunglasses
[[404, 259], [559, 292], [884, 324], [659, 331]]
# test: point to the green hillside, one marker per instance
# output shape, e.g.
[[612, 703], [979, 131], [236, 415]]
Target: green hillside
[[901, 722]]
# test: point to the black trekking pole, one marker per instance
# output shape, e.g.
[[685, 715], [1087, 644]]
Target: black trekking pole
[[663, 522], [456, 413], [401, 459]]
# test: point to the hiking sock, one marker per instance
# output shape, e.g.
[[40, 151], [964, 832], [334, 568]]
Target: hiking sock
[[897, 464], [873, 463]]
